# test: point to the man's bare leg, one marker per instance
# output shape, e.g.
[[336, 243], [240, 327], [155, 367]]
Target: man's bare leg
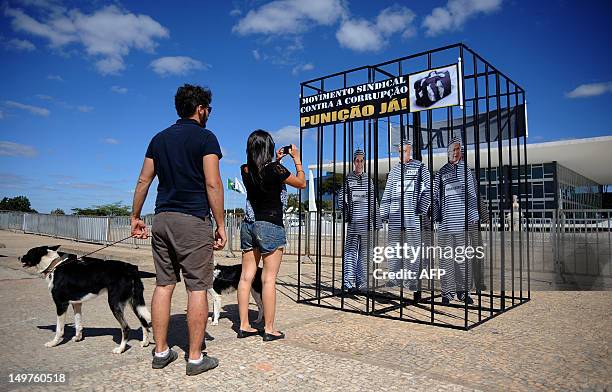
[[160, 315], [197, 315]]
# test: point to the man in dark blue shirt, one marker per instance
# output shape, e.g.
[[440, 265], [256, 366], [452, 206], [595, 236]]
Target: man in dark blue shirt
[[185, 158]]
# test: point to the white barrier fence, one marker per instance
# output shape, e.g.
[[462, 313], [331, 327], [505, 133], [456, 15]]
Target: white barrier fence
[[572, 241]]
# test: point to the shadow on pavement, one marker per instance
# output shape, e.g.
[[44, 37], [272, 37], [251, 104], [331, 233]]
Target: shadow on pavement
[[115, 333]]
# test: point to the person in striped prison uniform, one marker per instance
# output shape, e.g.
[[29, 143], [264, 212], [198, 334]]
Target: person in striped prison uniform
[[404, 220], [359, 242], [449, 212]]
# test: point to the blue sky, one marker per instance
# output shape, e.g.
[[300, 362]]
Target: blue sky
[[85, 87]]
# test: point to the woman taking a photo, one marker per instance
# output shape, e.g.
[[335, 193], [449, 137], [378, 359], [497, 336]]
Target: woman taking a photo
[[265, 237]]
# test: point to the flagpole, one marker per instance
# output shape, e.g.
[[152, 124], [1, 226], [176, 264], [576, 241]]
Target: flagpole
[[232, 196]]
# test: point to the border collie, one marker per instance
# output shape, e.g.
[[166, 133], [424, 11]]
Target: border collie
[[71, 281], [226, 279]]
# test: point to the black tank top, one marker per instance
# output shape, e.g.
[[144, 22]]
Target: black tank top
[[265, 195]]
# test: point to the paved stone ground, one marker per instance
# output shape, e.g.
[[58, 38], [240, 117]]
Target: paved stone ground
[[558, 341]]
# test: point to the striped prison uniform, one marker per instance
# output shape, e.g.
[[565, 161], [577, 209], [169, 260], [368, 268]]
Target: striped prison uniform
[[449, 211], [359, 243], [416, 201]]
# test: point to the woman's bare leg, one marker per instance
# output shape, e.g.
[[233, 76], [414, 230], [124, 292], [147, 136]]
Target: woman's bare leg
[[271, 265], [249, 268]]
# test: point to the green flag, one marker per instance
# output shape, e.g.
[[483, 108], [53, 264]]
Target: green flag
[[230, 185]]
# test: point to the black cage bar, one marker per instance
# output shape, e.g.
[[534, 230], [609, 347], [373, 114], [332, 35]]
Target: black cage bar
[[490, 122]]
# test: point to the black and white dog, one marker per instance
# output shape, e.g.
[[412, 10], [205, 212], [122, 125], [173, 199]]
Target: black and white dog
[[72, 282], [226, 279]]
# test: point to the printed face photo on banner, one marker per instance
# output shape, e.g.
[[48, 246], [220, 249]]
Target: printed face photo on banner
[[434, 88]]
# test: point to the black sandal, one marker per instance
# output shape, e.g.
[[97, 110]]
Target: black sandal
[[245, 334], [268, 337]]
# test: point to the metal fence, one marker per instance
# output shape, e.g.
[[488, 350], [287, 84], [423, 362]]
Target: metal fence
[[568, 243], [95, 229]]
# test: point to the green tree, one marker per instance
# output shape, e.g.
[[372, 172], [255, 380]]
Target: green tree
[[111, 209], [332, 183], [326, 205], [293, 201], [18, 203], [58, 211]]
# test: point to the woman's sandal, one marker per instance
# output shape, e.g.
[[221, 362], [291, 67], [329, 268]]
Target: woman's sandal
[[268, 337], [245, 334]]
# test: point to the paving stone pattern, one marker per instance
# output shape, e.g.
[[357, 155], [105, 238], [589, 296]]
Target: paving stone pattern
[[558, 341]]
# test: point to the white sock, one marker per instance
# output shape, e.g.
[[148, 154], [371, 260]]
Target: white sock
[[197, 361], [163, 354]]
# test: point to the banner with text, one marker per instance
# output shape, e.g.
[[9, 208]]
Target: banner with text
[[370, 100]]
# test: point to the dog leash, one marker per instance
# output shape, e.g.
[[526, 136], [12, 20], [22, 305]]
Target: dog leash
[[61, 260], [104, 247]]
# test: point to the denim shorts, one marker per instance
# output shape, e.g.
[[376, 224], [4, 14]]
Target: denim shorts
[[265, 236]]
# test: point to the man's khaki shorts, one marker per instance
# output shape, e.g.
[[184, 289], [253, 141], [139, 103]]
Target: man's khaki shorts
[[183, 243]]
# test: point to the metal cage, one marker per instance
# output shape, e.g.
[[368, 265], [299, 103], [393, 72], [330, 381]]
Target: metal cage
[[490, 119]]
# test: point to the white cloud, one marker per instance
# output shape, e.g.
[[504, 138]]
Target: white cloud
[[119, 90], [590, 90], [456, 12], [288, 19], [409, 32], [177, 65], [362, 35], [54, 6], [10, 180], [58, 32], [10, 149], [110, 65], [284, 53], [110, 140], [290, 16], [19, 44], [84, 108], [235, 12], [301, 68], [359, 35], [55, 77], [226, 157], [394, 20], [32, 109], [85, 186], [289, 134], [108, 34], [64, 104]]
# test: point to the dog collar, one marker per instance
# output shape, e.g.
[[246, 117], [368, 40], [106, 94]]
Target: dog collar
[[54, 264]]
